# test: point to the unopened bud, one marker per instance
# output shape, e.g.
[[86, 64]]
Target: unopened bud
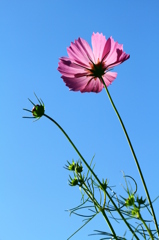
[[78, 169], [38, 111], [74, 182], [129, 201]]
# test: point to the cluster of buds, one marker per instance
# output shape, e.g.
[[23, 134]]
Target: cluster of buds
[[134, 204], [77, 168]]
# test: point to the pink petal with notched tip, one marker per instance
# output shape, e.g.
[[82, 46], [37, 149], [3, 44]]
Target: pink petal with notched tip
[[98, 44], [112, 56], [80, 52], [119, 60], [85, 47], [122, 56], [116, 55]]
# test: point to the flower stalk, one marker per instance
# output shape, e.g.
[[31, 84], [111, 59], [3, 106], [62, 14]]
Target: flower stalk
[[145, 225], [95, 176], [134, 155], [81, 182], [101, 209]]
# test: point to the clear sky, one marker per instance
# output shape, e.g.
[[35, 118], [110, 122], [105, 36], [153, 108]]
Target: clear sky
[[34, 190]]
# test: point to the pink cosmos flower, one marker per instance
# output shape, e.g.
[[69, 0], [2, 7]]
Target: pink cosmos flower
[[84, 68]]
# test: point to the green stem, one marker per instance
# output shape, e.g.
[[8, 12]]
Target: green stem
[[104, 200], [134, 155], [148, 230], [90, 195], [97, 179], [95, 202], [103, 212], [109, 224]]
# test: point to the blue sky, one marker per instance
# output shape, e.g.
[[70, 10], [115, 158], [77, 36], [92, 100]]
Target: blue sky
[[34, 186]]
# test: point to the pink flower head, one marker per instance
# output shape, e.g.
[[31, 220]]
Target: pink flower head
[[84, 68]]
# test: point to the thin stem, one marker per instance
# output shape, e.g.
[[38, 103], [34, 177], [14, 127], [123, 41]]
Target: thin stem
[[81, 227], [104, 200], [134, 155], [148, 230], [90, 195], [109, 224], [103, 212], [97, 179], [95, 202]]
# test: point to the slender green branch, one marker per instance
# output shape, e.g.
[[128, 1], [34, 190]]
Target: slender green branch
[[135, 158], [144, 223], [104, 200], [109, 224], [90, 195], [97, 179], [81, 227], [95, 202]]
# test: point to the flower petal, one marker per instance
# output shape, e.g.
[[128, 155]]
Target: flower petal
[[109, 77], [94, 85], [98, 44], [80, 52], [75, 83], [107, 49], [67, 68], [116, 55]]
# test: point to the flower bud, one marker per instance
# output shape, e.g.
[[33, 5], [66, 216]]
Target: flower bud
[[104, 184], [38, 111], [78, 169], [130, 201], [135, 212], [71, 166], [74, 182], [141, 201]]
